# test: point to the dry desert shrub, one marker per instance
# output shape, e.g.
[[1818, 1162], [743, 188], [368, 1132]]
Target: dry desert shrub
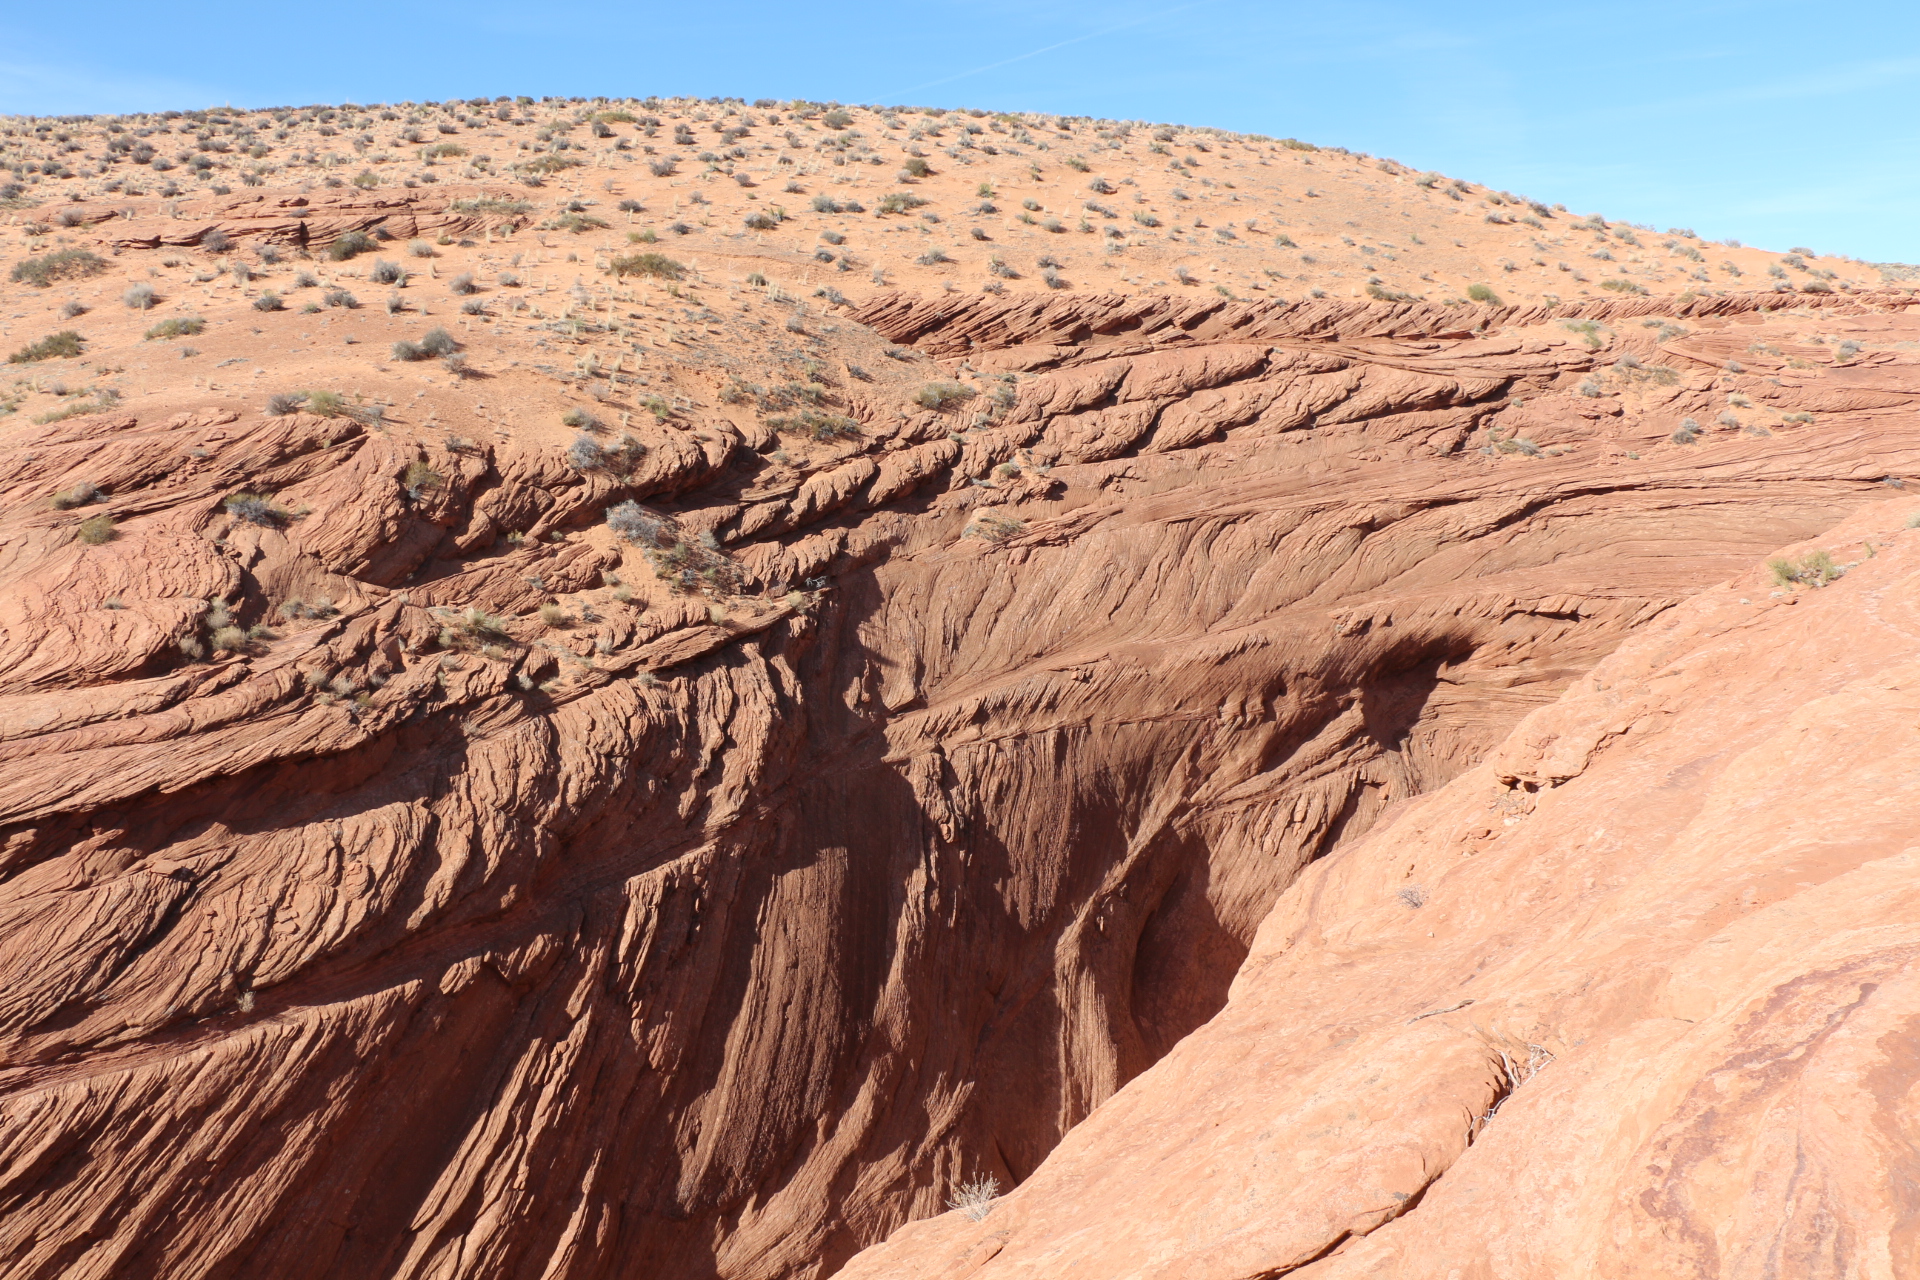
[[179, 327], [1815, 569], [256, 508], [350, 244], [78, 496], [940, 396], [95, 530], [55, 346], [657, 266], [975, 1197], [65, 264]]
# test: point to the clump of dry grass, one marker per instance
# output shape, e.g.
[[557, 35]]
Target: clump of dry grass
[[975, 1197]]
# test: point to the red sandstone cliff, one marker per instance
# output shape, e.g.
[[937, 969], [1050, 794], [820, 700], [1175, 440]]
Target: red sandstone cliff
[[721, 930], [1636, 996]]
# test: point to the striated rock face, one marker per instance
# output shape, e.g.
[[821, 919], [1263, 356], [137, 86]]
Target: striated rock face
[[302, 220], [720, 931], [1635, 996]]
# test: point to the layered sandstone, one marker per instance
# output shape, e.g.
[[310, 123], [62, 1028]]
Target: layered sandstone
[[427, 877], [1635, 996]]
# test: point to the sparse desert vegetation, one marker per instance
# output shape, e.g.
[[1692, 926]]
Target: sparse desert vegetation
[[55, 346]]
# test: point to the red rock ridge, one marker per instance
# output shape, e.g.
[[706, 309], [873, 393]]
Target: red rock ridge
[[1634, 997], [720, 938]]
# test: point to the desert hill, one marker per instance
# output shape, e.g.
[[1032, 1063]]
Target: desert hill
[[591, 690]]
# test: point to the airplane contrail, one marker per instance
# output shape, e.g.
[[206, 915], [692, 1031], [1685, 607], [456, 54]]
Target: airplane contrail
[[1022, 57]]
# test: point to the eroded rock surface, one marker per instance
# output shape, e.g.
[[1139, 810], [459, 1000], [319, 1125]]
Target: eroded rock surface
[[880, 836], [1635, 996]]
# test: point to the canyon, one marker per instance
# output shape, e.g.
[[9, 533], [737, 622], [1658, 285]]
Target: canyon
[[1346, 784]]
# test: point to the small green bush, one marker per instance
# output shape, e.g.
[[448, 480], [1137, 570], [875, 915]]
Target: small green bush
[[939, 396], [55, 346], [491, 204], [65, 264], [1815, 569], [420, 477], [657, 265], [1622, 286], [995, 527], [576, 223], [104, 399], [434, 342], [482, 625], [1589, 331], [819, 426], [257, 508], [182, 327], [328, 404], [1481, 293], [95, 530], [350, 244]]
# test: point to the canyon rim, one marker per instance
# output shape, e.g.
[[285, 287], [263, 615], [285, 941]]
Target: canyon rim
[[615, 688]]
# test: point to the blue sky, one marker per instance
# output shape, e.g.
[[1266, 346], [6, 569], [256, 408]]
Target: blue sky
[[1776, 123]]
